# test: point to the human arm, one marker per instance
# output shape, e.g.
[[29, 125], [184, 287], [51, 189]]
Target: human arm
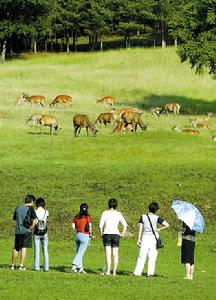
[[140, 234], [163, 226], [124, 224], [101, 224]]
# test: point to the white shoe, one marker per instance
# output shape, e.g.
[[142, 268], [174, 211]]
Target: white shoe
[[73, 269], [22, 268], [12, 267], [81, 271]]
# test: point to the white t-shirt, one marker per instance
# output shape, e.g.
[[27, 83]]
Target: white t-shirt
[[110, 220], [41, 215], [155, 219]]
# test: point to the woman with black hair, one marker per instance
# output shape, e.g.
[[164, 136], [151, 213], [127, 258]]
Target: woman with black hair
[[82, 224], [147, 241]]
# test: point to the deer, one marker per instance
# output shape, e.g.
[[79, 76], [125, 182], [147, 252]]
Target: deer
[[121, 111], [105, 118], [34, 119], [133, 118], [200, 119], [47, 120], [120, 127], [32, 99], [107, 100], [61, 99], [189, 131], [214, 137], [82, 121], [172, 107], [155, 111], [199, 125]]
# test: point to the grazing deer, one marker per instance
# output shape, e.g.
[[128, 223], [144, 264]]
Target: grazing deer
[[47, 120], [155, 111], [34, 119], [32, 99], [80, 121], [105, 118], [172, 107], [107, 100], [214, 137], [120, 127], [133, 118], [121, 111], [189, 131], [61, 99], [201, 119]]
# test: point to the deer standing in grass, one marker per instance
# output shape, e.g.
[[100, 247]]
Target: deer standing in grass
[[32, 99], [105, 118], [51, 121], [133, 118], [107, 100], [82, 121], [155, 111], [200, 119], [61, 99], [34, 119], [172, 107]]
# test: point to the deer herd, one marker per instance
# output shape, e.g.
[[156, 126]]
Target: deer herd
[[123, 119]]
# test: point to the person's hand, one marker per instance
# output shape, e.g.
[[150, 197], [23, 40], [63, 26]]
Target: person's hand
[[139, 243], [121, 235]]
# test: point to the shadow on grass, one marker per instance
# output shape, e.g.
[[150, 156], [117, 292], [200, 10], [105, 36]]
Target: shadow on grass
[[40, 133], [188, 106]]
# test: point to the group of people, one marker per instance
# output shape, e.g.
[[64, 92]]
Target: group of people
[[150, 224]]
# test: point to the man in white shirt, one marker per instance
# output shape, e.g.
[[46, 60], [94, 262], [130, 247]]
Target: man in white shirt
[[109, 231]]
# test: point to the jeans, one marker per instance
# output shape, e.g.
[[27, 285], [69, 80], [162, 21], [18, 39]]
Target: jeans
[[44, 241], [82, 241]]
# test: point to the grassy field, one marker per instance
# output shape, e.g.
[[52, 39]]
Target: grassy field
[[157, 164]]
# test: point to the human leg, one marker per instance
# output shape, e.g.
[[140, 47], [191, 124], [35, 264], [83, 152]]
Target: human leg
[[82, 244], [23, 256], [14, 257], [36, 252], [152, 256], [44, 241], [108, 259], [191, 271], [115, 259], [187, 271], [141, 258]]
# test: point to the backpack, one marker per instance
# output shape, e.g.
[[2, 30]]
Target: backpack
[[41, 226]]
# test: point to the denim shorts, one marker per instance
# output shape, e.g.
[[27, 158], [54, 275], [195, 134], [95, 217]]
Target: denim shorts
[[111, 240]]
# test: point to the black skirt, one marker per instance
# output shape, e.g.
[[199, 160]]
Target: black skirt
[[187, 252]]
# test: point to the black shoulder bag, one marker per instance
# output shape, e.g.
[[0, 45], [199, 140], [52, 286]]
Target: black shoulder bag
[[27, 222], [159, 242]]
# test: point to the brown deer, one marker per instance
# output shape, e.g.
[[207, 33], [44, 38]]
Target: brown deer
[[172, 107], [120, 127], [82, 121], [200, 125], [61, 99], [47, 120], [189, 131], [34, 119], [105, 118], [121, 111], [32, 99], [200, 119], [107, 100], [133, 118], [155, 111]]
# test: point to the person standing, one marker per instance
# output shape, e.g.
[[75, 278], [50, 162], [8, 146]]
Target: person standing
[[187, 250], [147, 241], [23, 235], [82, 224], [109, 231], [40, 235]]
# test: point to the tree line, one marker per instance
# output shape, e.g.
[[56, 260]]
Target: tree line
[[32, 25]]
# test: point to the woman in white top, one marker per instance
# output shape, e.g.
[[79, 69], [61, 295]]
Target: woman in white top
[[109, 231], [40, 235], [147, 241]]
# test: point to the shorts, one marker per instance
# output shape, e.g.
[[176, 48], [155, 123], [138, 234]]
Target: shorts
[[111, 240], [23, 241]]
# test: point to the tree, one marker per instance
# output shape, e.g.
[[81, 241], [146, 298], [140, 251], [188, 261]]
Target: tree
[[194, 23]]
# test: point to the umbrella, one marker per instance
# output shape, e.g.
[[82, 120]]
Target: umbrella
[[189, 214]]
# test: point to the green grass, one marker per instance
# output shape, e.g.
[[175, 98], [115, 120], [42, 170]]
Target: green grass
[[136, 168]]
